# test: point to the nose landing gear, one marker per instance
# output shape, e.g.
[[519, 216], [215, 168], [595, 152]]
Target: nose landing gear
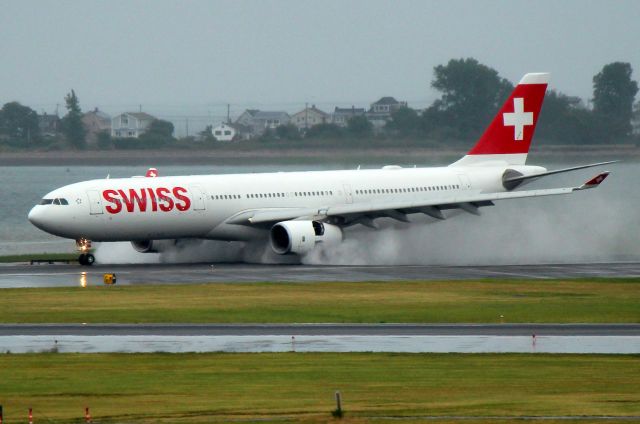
[[85, 258]]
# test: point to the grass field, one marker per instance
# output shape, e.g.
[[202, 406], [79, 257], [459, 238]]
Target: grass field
[[198, 388], [43, 256], [536, 301]]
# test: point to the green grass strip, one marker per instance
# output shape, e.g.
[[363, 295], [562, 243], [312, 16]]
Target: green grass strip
[[198, 388], [491, 301], [73, 257]]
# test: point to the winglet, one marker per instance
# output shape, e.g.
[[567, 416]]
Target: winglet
[[595, 181]]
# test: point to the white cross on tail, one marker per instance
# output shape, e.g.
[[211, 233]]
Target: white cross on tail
[[518, 119]]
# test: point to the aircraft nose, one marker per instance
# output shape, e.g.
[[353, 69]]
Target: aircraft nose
[[37, 217]]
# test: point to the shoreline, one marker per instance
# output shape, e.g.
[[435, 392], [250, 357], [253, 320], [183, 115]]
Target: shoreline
[[292, 155]]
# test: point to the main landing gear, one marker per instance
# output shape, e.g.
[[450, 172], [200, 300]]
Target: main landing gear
[[85, 258]]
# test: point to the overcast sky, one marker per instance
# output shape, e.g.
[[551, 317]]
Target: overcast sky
[[179, 56]]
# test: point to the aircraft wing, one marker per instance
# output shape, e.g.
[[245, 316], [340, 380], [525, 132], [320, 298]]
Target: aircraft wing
[[364, 212]]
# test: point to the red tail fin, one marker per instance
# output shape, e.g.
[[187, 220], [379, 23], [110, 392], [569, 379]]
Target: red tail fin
[[508, 137]]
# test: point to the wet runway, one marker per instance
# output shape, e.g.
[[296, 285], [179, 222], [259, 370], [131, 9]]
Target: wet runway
[[46, 275]]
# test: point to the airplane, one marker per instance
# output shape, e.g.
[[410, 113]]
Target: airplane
[[297, 211]]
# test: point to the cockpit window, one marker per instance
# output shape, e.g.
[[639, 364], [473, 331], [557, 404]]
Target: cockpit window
[[58, 201]]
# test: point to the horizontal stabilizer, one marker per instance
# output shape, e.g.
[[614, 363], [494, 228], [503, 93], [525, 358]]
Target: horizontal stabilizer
[[514, 181]]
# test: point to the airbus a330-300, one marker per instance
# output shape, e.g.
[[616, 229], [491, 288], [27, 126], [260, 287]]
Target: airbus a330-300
[[296, 211]]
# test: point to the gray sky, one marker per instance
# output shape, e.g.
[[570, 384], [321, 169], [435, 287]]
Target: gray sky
[[191, 57]]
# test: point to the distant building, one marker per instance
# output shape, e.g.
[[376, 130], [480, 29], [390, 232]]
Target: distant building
[[246, 117], [309, 117], [341, 116], [259, 121], [130, 124], [49, 125], [223, 132], [380, 112], [96, 122]]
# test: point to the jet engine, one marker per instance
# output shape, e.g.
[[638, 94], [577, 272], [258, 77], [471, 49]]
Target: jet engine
[[152, 246], [301, 237]]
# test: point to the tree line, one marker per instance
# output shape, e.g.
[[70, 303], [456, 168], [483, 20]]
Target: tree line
[[470, 94]]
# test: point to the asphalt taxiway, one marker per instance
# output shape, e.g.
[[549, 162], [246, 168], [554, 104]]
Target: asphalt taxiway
[[47, 275]]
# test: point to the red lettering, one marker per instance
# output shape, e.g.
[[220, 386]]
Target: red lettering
[[130, 202], [154, 203], [165, 202], [186, 202], [108, 195], [158, 199]]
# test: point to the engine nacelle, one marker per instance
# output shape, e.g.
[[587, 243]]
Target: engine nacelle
[[302, 236], [152, 246]]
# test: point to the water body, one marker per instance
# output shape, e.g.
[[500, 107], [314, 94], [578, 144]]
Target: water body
[[601, 225], [403, 344]]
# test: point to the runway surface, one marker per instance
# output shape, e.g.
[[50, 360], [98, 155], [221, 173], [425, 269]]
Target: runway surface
[[55, 275], [321, 329]]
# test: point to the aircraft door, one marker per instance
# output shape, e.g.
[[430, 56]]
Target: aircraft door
[[347, 193], [198, 199], [465, 183], [95, 202]]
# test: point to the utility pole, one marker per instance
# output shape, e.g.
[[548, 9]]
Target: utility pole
[[187, 125], [306, 116], [228, 113]]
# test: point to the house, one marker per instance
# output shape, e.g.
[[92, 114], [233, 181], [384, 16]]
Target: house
[[341, 116], [259, 121], [380, 112], [246, 117], [223, 132], [95, 122], [309, 117], [49, 125], [130, 124]]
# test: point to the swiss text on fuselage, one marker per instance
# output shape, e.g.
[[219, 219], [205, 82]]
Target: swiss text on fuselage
[[159, 199]]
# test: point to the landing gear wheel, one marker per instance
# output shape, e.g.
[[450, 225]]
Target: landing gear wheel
[[86, 259]]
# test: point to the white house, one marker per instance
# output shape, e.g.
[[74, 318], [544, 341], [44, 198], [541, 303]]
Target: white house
[[130, 124], [309, 117], [223, 132]]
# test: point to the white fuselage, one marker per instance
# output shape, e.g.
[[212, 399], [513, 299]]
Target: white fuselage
[[142, 208]]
